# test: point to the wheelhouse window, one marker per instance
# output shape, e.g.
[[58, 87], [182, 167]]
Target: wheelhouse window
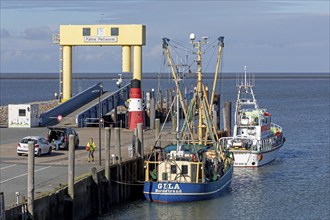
[[184, 169], [173, 169], [21, 112]]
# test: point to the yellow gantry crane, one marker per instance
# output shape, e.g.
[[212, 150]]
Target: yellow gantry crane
[[131, 37]]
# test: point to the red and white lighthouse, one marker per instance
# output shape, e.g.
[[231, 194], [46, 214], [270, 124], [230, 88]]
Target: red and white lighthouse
[[135, 107]]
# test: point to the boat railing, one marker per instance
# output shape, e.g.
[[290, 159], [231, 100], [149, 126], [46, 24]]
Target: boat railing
[[276, 126], [240, 143]]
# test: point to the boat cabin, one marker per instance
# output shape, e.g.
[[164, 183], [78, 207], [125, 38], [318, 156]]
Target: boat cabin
[[185, 166], [252, 122]]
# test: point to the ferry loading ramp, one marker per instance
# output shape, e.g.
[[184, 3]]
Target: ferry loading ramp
[[76, 111]]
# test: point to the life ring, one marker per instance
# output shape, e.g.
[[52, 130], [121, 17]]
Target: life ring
[[260, 157]]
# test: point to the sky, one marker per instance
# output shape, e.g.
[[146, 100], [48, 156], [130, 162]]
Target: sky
[[267, 36]]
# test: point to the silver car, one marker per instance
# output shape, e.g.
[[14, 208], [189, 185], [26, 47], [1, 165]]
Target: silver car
[[41, 146]]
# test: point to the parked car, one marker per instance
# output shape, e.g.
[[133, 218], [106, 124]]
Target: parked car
[[41, 146], [60, 136]]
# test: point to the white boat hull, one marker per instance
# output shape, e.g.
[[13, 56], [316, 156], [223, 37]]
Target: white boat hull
[[248, 158]]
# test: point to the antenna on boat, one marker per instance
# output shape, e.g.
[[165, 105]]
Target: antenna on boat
[[245, 76]]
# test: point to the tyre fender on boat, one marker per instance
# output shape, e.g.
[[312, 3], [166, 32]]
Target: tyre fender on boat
[[260, 157]]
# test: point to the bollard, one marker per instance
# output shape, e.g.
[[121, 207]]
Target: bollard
[[107, 153], [157, 132], [118, 144], [30, 199]]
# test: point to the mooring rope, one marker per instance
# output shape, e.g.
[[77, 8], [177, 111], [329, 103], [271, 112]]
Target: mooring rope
[[126, 183]]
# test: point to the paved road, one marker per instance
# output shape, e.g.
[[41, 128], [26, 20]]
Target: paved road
[[50, 170]]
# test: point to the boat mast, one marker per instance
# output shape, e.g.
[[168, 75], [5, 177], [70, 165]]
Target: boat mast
[[245, 76], [174, 75], [221, 45], [200, 92]]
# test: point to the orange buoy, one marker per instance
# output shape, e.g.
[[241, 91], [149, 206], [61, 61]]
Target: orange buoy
[[260, 157]]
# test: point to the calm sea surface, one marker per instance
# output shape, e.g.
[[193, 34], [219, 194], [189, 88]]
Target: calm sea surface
[[295, 186]]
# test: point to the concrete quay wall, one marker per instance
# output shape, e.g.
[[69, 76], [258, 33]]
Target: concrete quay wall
[[93, 195]]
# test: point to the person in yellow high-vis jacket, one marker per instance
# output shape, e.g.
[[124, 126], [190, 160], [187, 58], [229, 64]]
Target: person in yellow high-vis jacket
[[90, 147]]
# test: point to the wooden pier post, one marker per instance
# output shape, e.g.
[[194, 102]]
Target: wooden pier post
[[140, 148], [174, 123], [96, 181], [160, 101], [157, 131], [171, 100], [227, 117], [215, 119], [118, 144], [136, 144], [152, 112], [30, 185], [166, 98], [140, 138], [217, 108], [71, 173], [107, 153]]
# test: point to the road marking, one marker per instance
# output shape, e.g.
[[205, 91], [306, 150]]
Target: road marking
[[8, 166], [24, 174]]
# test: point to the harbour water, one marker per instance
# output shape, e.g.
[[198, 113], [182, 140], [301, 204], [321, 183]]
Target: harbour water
[[295, 186]]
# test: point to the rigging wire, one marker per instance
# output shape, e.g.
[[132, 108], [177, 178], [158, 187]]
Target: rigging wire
[[221, 77], [162, 66], [211, 45], [183, 47], [210, 59]]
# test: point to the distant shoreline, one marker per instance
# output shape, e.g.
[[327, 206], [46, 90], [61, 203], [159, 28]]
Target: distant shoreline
[[89, 76]]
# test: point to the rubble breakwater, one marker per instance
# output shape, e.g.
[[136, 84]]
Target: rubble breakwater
[[43, 107]]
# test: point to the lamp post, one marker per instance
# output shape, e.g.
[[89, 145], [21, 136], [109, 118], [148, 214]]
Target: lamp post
[[100, 90], [100, 121]]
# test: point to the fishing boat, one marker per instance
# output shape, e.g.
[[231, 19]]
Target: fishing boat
[[256, 140], [191, 166]]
